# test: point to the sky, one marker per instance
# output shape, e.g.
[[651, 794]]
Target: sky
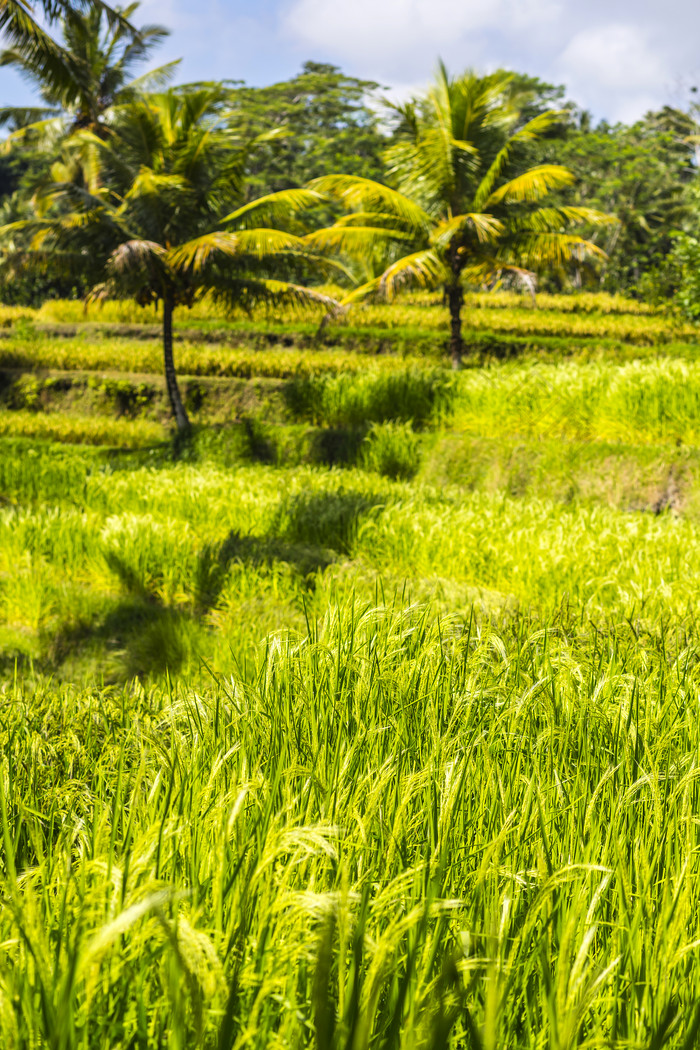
[[617, 58]]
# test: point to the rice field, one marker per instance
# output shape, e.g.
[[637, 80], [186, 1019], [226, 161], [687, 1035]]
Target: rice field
[[365, 718]]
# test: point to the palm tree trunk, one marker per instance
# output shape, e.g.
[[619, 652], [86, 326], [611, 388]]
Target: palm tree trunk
[[181, 417], [455, 299]]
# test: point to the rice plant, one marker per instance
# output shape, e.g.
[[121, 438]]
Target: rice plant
[[389, 829], [395, 754], [393, 450]]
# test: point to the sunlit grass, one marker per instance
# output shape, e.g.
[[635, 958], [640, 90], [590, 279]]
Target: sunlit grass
[[203, 359], [647, 401], [185, 537], [425, 830], [398, 756], [595, 316], [78, 429]]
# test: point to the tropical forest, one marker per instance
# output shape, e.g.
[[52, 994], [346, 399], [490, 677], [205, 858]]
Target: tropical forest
[[349, 556]]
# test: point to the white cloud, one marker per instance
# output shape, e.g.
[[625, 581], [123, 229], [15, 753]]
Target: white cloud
[[618, 58], [616, 68], [391, 36]]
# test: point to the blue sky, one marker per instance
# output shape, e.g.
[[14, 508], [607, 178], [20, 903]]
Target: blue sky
[[617, 57]]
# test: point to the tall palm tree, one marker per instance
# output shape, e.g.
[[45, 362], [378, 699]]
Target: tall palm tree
[[25, 34], [458, 209], [96, 56], [160, 215]]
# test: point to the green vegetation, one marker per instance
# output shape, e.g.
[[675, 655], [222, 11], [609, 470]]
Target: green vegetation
[[393, 828], [92, 74], [461, 209], [369, 710], [359, 710], [173, 224]]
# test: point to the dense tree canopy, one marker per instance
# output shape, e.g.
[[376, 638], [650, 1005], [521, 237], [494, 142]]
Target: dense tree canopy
[[329, 125], [641, 173], [83, 56]]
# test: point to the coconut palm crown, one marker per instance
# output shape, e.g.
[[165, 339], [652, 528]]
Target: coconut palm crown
[[32, 44], [95, 57], [159, 216], [457, 210]]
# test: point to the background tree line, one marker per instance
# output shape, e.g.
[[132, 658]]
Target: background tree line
[[119, 184], [645, 173]]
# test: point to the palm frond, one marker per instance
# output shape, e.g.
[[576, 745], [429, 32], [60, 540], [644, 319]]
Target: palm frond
[[135, 255], [370, 289], [546, 220], [531, 185], [360, 194], [150, 183], [33, 43], [196, 254], [354, 240], [486, 227], [536, 250], [25, 116], [261, 242], [383, 220], [530, 131], [275, 206], [43, 133], [425, 269], [247, 292], [154, 78]]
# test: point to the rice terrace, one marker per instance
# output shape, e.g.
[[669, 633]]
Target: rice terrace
[[349, 556]]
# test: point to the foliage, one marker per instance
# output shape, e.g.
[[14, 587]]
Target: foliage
[[98, 52], [653, 401], [69, 77], [328, 126], [233, 721], [160, 215], [419, 396], [643, 174], [422, 737], [80, 429], [32, 42], [142, 531], [369, 718], [460, 213], [686, 256], [393, 450], [388, 315], [144, 355]]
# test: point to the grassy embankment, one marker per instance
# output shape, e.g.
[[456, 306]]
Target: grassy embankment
[[368, 716]]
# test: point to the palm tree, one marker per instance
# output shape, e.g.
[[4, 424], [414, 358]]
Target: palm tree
[[96, 56], [458, 210], [159, 215], [27, 36]]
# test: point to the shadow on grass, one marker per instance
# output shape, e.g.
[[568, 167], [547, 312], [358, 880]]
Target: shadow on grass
[[139, 636], [257, 552], [248, 441], [309, 532], [134, 639], [325, 519], [337, 446]]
